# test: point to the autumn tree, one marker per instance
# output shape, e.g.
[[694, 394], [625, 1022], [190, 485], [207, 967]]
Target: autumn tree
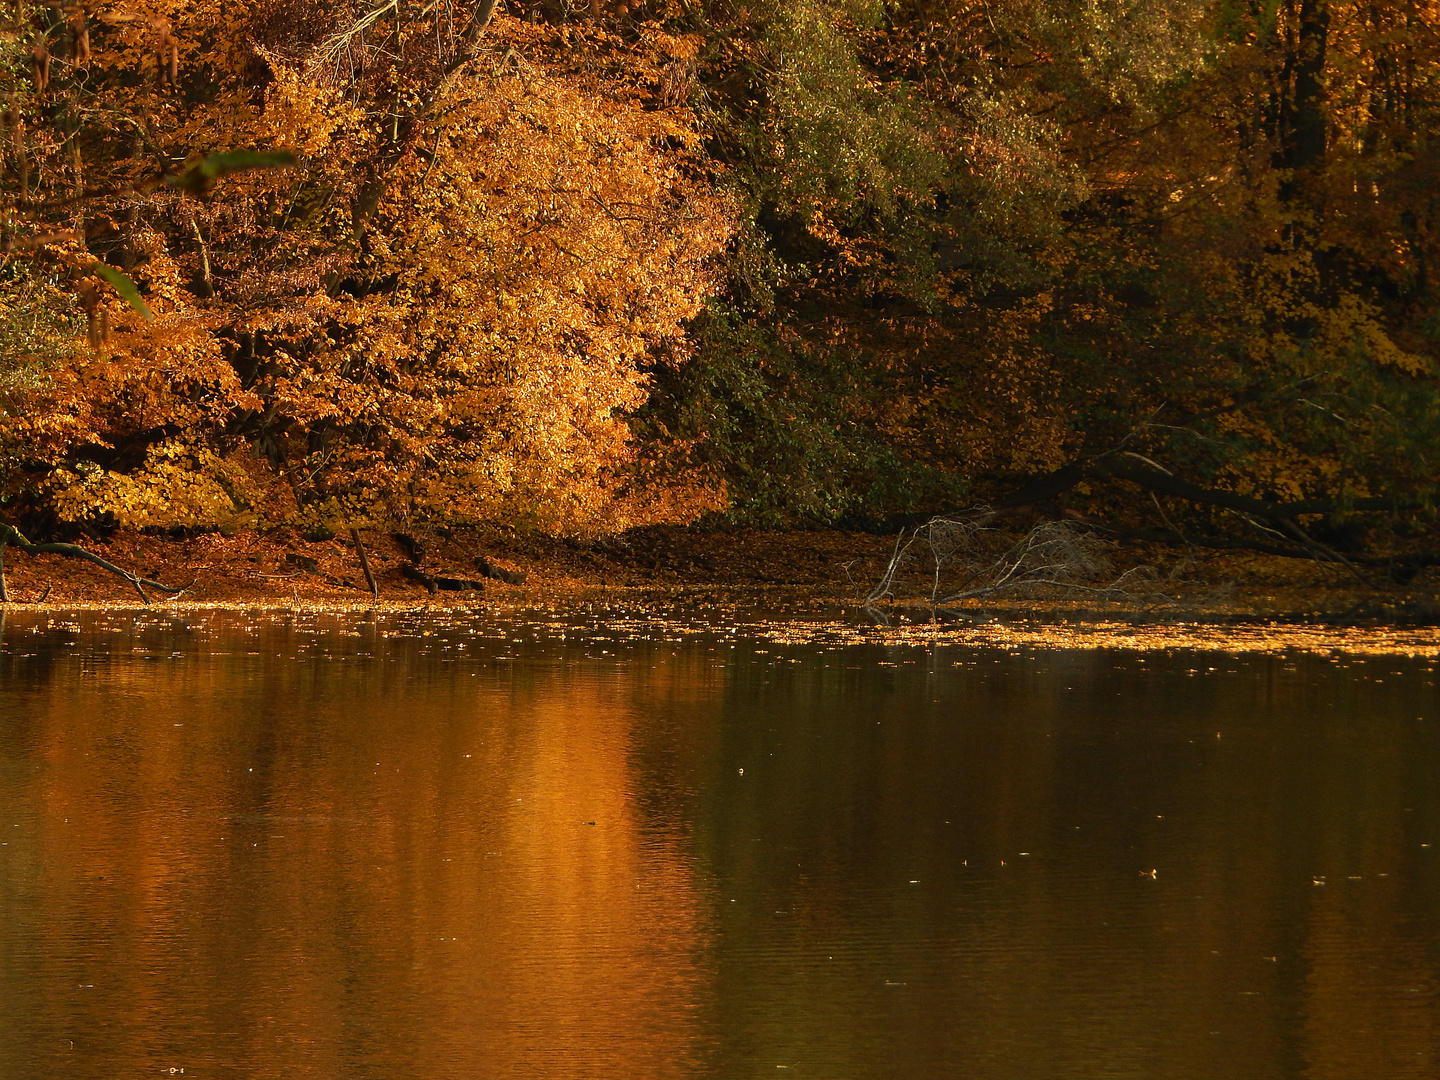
[[442, 311], [996, 243]]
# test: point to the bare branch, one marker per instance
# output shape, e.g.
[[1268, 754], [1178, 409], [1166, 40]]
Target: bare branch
[[11, 535], [970, 559]]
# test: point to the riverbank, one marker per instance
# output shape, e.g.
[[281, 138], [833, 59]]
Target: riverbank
[[827, 567]]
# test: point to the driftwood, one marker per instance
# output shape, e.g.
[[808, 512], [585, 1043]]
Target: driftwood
[[12, 537], [498, 572], [448, 580], [445, 580], [442, 581]]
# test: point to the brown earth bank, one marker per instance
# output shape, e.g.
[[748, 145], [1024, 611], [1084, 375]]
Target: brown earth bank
[[826, 568]]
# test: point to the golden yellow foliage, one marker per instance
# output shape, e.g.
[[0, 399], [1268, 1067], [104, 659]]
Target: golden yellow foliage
[[444, 310]]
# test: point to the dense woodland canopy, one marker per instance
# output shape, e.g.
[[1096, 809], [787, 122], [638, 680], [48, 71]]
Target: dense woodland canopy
[[1165, 267]]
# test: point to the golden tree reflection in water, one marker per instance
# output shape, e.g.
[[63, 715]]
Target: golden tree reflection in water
[[308, 868]]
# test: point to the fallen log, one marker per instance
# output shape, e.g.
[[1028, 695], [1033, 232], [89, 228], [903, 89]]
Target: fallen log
[[12, 537], [498, 572], [443, 581]]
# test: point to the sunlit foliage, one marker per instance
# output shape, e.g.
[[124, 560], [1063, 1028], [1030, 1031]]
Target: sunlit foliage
[[440, 312]]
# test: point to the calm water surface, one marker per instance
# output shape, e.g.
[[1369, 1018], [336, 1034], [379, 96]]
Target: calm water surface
[[546, 846]]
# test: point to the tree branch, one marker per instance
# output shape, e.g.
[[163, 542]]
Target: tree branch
[[12, 536]]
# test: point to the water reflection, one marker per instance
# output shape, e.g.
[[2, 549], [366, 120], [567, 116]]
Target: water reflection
[[341, 861], [560, 846], [1065, 866]]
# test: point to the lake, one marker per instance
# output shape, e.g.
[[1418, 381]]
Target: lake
[[611, 842]]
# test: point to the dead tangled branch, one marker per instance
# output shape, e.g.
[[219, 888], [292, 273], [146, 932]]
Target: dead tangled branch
[[11, 536], [964, 557]]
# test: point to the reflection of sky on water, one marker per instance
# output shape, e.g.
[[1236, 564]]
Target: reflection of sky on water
[[599, 844]]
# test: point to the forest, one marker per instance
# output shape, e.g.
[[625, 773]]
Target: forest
[[1159, 268]]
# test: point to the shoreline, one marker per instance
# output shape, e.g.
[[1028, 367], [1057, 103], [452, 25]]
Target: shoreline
[[751, 568], [623, 624]]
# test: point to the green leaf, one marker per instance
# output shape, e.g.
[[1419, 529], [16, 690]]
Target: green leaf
[[126, 288], [199, 178], [215, 165]]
